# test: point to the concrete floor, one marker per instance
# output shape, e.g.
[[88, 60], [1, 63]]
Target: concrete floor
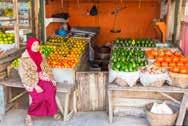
[[16, 118]]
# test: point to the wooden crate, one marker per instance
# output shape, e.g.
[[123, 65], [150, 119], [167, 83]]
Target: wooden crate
[[91, 90]]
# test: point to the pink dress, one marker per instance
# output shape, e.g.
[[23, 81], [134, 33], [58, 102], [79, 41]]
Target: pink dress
[[43, 104]]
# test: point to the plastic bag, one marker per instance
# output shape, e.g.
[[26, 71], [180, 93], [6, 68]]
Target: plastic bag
[[161, 108], [130, 77]]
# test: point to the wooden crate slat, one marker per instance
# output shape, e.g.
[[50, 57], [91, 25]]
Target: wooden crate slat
[[91, 90]]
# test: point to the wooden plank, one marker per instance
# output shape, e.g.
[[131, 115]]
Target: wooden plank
[[8, 19], [129, 102], [59, 105], [147, 95], [17, 97], [4, 66], [171, 98], [182, 110], [74, 101], [2, 100], [166, 89], [66, 106], [178, 15], [91, 90], [6, 54], [101, 90], [83, 92], [110, 106], [129, 111]]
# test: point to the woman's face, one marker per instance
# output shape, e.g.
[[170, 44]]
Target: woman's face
[[35, 47]]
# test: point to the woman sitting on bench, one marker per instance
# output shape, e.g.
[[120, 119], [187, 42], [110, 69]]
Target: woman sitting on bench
[[38, 81]]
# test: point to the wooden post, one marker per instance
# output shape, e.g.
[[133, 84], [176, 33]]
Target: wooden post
[[36, 5], [110, 112], [182, 111], [42, 16], [74, 101], [177, 19], [16, 25], [62, 3], [2, 102], [59, 104], [66, 106]]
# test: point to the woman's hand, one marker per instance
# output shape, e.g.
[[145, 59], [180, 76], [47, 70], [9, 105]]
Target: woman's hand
[[38, 89], [54, 83]]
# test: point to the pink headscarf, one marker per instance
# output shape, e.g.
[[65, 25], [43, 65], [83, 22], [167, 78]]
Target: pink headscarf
[[35, 56]]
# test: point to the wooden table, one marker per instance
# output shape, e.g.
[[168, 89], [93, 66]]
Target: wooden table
[[163, 90], [15, 82]]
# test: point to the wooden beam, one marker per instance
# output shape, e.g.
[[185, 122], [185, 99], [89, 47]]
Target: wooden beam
[[2, 100], [35, 11], [16, 25], [17, 97], [42, 17], [59, 105], [167, 89], [110, 107], [177, 20], [182, 111], [171, 98]]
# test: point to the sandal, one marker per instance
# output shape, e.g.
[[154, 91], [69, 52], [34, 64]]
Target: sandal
[[57, 116], [28, 121]]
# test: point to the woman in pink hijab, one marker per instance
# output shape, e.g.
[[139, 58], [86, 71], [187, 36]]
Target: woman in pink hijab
[[38, 80]]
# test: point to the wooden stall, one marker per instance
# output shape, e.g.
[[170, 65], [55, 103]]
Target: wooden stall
[[91, 92]]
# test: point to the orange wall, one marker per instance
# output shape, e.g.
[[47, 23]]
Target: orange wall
[[134, 22]]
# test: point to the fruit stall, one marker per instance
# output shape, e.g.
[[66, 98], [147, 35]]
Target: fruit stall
[[66, 56], [112, 58]]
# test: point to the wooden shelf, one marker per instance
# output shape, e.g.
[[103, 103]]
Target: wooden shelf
[[12, 27], [6, 27], [25, 27], [50, 20], [25, 18], [8, 19]]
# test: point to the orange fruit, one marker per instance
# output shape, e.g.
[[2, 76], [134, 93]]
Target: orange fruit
[[175, 59], [168, 59], [158, 63], [176, 69], [161, 53], [183, 70], [184, 59], [168, 53], [160, 59], [172, 64], [164, 64], [180, 64]]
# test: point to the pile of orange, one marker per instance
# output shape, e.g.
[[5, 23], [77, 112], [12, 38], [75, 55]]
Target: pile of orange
[[68, 54], [155, 53], [174, 61], [57, 61]]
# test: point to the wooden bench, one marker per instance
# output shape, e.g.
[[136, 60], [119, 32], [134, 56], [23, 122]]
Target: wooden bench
[[162, 90], [67, 89]]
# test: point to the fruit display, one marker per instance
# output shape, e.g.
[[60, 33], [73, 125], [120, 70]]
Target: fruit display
[[15, 64], [173, 60], [8, 12], [152, 75], [47, 49], [68, 54], [56, 39], [120, 42], [6, 38], [155, 53], [153, 69], [128, 59]]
